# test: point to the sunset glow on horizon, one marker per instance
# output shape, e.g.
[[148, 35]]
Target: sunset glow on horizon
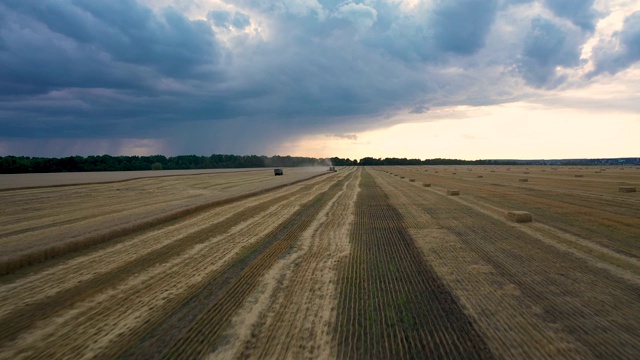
[[513, 131]]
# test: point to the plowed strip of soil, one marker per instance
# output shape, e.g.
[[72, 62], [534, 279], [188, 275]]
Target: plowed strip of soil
[[392, 303]]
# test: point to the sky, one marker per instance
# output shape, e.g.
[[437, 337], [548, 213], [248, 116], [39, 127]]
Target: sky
[[467, 79]]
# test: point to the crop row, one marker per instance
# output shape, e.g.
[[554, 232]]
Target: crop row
[[591, 209], [120, 305], [508, 321], [556, 283], [564, 293], [391, 302], [194, 329], [299, 317], [41, 224]]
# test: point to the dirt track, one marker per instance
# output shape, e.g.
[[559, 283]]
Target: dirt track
[[354, 264]]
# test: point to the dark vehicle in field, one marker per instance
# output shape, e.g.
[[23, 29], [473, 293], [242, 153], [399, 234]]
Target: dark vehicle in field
[[277, 172]]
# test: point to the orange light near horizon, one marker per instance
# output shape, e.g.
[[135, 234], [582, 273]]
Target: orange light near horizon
[[518, 130]]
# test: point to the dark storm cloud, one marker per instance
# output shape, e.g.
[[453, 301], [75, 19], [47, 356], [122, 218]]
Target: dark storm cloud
[[419, 109], [460, 26], [622, 50], [580, 12], [53, 45], [630, 36], [255, 71], [546, 46], [129, 61]]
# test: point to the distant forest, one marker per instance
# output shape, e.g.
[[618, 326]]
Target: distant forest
[[25, 164]]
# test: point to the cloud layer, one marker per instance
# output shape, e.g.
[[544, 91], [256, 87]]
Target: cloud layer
[[241, 76]]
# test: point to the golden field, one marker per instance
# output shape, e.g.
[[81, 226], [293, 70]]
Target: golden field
[[376, 262]]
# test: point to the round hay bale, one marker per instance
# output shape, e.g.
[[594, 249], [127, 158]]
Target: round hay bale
[[453, 192], [523, 180], [426, 184], [578, 175], [412, 180]]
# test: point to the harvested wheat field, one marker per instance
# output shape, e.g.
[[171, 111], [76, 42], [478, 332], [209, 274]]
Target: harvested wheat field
[[359, 263]]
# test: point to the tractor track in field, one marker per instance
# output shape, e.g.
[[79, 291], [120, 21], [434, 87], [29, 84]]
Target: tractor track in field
[[392, 303], [194, 330], [298, 317], [72, 299]]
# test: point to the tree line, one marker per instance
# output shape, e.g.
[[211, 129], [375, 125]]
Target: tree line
[[369, 161], [25, 164]]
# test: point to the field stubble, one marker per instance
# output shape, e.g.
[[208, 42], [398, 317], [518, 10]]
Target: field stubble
[[356, 264], [298, 319], [529, 295], [143, 277], [42, 223]]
